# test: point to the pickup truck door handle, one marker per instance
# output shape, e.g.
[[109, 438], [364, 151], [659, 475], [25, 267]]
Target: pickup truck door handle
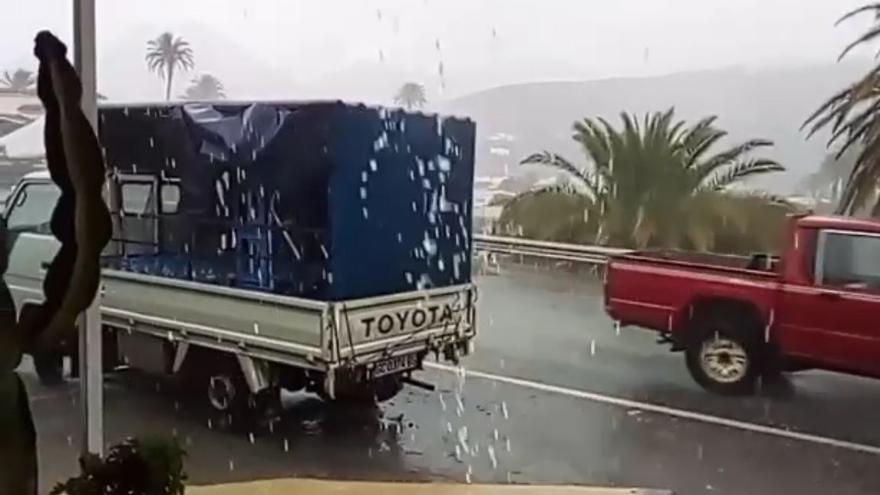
[[829, 294]]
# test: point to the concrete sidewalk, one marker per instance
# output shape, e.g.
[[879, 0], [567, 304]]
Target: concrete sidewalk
[[321, 487]]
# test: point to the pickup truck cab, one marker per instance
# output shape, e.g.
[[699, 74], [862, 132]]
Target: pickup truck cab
[[738, 318]]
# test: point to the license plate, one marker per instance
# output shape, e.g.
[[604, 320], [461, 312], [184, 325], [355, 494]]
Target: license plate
[[395, 364]]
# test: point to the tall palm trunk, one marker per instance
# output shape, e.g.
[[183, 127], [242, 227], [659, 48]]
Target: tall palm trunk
[[168, 81]]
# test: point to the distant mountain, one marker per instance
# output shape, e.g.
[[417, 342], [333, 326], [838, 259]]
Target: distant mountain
[[767, 103]]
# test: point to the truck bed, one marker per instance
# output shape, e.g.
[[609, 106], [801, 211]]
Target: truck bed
[[655, 289], [289, 330]]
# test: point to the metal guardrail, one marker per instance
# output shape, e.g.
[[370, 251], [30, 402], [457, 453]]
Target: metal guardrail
[[596, 255]]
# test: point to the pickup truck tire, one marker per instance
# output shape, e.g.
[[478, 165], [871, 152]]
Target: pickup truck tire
[[724, 354]]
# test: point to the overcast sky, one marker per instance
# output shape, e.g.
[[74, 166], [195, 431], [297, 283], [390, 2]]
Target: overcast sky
[[317, 48]]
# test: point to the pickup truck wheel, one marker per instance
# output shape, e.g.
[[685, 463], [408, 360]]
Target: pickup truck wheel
[[723, 357]]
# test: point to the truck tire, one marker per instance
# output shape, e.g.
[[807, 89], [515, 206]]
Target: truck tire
[[216, 379], [49, 366], [724, 353]]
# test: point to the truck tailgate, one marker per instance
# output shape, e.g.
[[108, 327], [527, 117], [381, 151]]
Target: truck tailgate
[[401, 323]]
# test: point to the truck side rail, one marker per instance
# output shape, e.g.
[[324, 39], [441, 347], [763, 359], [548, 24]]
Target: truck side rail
[[276, 328]]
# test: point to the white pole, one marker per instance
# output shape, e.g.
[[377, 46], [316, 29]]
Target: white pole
[[90, 366]]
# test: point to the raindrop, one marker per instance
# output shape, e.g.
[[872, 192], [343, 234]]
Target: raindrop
[[365, 212], [286, 445], [592, 347], [373, 165], [251, 438], [69, 440], [491, 451], [256, 328], [617, 327], [700, 452], [457, 453], [430, 245], [448, 427], [231, 465], [467, 477], [363, 193], [364, 177], [509, 479], [504, 409], [495, 434], [442, 402], [507, 444]]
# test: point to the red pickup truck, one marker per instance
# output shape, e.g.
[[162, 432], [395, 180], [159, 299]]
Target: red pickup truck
[[737, 318]]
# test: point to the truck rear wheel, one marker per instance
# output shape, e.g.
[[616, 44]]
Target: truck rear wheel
[[724, 355], [217, 380]]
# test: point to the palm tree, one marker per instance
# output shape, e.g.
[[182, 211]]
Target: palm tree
[[653, 183], [829, 182], [20, 81], [411, 95], [165, 55], [204, 87], [853, 116]]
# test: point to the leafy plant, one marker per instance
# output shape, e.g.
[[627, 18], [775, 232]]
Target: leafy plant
[[134, 467], [853, 117], [19, 81], [654, 183], [205, 87], [411, 95], [165, 55]]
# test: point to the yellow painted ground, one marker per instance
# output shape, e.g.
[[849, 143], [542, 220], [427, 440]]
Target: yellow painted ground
[[318, 487]]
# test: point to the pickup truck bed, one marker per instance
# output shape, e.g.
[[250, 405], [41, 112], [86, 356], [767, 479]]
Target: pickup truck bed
[[654, 289], [737, 318]]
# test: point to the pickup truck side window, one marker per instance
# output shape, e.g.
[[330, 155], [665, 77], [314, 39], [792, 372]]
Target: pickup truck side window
[[31, 209], [849, 261]]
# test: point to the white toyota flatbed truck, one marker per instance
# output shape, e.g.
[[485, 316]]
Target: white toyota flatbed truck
[[241, 347]]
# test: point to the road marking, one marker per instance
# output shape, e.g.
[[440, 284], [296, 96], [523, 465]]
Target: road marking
[[668, 411]]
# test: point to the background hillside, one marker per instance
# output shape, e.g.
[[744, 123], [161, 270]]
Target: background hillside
[[771, 103]]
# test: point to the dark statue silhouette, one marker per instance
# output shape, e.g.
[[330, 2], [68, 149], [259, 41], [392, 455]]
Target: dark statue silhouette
[[81, 222]]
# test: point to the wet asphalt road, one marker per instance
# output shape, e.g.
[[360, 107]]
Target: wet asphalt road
[[541, 325]]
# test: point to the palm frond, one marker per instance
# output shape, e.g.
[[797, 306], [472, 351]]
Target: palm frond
[[740, 171], [553, 160], [705, 169], [872, 34]]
